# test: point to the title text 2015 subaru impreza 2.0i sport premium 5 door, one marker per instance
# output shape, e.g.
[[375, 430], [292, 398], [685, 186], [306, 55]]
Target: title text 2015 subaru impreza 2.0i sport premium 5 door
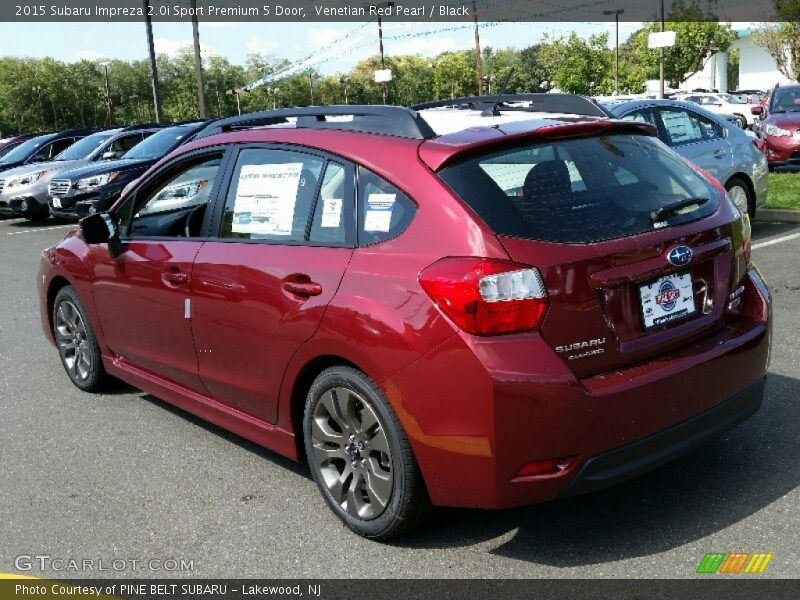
[[433, 307]]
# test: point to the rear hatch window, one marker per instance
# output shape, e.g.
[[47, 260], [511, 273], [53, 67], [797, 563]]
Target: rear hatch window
[[582, 190]]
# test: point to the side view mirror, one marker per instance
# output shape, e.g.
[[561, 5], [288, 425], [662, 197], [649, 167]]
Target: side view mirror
[[102, 228], [756, 110], [110, 155]]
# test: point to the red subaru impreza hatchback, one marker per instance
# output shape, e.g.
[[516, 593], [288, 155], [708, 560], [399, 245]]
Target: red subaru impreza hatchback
[[441, 306]]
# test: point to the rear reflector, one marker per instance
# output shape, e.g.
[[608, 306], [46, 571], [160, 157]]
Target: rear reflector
[[551, 466], [485, 296]]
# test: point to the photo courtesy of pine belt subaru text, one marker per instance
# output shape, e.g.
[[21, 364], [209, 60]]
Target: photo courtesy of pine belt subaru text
[[477, 302]]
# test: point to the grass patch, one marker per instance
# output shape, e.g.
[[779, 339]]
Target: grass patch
[[784, 190]]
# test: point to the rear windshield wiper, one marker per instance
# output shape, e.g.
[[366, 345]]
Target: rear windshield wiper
[[670, 209]]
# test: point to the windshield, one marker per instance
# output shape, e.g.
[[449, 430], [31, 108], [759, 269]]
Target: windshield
[[159, 144], [25, 149], [583, 190], [733, 99], [6, 149], [786, 101], [84, 147]]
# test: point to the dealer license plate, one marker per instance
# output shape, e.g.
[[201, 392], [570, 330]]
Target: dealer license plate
[[667, 299]]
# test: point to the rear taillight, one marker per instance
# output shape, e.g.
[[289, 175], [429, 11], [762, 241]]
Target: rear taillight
[[485, 296]]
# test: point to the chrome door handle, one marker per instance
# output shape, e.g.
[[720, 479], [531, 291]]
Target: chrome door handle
[[174, 277], [304, 289]]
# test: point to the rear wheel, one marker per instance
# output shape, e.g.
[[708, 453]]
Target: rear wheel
[[360, 457], [76, 342], [740, 193]]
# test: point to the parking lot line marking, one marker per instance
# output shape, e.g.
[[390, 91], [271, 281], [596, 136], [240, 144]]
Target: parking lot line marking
[[38, 230], [779, 240]]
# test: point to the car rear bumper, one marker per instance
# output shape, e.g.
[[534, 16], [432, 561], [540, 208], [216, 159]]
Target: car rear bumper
[[476, 410], [634, 459]]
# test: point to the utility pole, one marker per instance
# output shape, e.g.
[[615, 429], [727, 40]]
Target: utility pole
[[617, 12], [661, 58], [153, 66], [383, 59], [109, 106], [198, 65], [345, 81], [478, 57]]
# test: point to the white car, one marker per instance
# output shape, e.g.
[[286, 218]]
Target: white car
[[723, 104]]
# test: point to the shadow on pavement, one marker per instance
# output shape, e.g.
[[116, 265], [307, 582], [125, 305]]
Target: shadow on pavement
[[265, 453]]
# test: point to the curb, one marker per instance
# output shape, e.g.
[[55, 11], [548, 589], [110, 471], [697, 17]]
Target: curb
[[774, 215]]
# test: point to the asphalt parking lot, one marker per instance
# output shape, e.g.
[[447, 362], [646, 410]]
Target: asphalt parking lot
[[126, 476]]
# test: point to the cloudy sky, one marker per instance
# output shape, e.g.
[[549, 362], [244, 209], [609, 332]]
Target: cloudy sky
[[295, 41]]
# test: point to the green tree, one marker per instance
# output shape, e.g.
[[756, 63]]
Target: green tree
[[584, 65], [697, 36]]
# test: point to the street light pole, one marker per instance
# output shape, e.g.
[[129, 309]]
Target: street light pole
[[219, 101], [235, 92], [153, 66], [478, 57], [198, 65], [616, 14], [38, 88]]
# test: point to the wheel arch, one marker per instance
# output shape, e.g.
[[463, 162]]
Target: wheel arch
[[56, 284], [300, 386]]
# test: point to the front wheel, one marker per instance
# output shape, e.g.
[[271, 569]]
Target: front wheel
[[360, 457], [76, 342]]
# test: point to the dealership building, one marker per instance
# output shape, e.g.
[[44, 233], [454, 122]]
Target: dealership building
[[757, 69]]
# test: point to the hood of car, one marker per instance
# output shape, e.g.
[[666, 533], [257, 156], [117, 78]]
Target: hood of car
[[787, 120], [51, 167], [107, 166], [6, 167]]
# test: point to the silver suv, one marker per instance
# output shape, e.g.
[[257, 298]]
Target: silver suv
[[23, 191]]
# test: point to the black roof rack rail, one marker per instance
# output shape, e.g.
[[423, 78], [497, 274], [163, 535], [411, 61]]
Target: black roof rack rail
[[539, 102], [388, 120], [146, 126]]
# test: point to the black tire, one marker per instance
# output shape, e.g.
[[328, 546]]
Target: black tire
[[408, 504], [37, 217], [77, 346], [738, 182]]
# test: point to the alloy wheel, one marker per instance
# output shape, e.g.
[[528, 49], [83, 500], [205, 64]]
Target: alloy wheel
[[739, 197], [72, 342], [352, 453]]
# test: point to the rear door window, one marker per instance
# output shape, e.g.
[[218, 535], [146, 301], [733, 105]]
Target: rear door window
[[581, 190], [384, 211]]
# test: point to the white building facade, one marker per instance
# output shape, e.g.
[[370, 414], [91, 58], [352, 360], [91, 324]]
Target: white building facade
[[757, 69]]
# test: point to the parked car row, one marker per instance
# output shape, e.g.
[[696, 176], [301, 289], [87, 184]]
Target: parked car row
[[475, 302], [75, 173]]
